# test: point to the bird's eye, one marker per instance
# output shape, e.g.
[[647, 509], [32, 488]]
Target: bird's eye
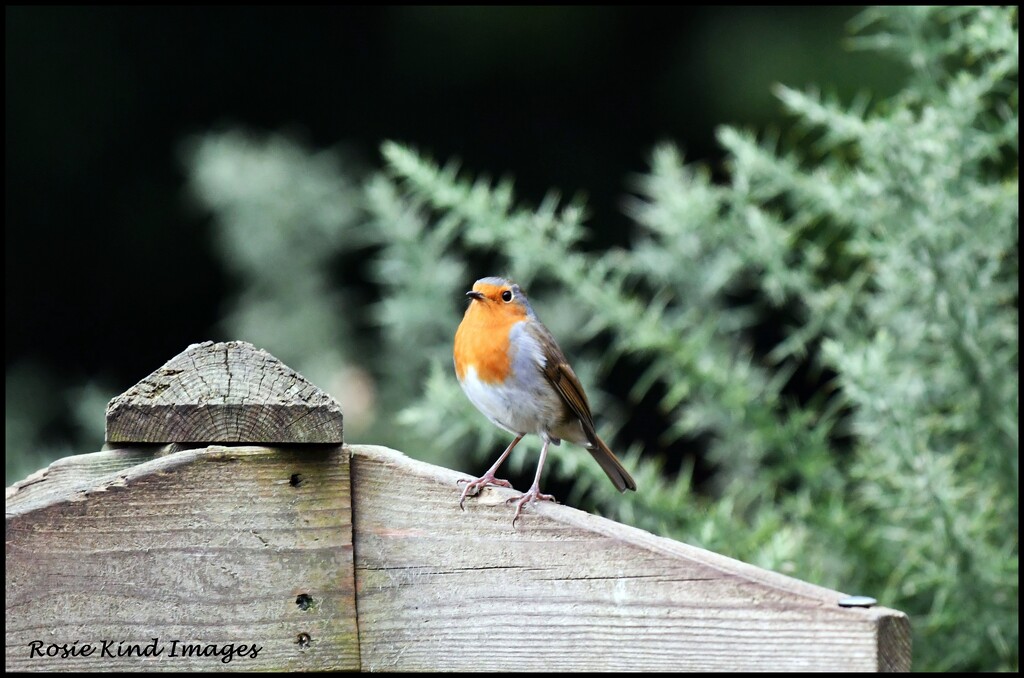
[[506, 296]]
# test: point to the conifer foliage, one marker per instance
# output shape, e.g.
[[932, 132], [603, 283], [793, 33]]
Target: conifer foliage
[[880, 247]]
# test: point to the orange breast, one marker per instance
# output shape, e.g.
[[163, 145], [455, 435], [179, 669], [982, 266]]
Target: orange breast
[[481, 342]]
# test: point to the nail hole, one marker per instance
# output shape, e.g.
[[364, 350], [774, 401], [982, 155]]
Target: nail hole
[[304, 601], [303, 641], [296, 480]]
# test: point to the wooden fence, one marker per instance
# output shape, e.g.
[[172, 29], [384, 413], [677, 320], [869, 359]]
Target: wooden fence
[[230, 528]]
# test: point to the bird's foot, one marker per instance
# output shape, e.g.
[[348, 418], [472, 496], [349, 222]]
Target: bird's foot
[[473, 487], [532, 496]]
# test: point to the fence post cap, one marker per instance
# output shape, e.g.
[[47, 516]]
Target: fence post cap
[[224, 392]]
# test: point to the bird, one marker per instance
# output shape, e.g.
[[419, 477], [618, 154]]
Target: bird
[[512, 369]]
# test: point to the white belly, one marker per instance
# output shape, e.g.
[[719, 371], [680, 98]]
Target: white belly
[[514, 411]]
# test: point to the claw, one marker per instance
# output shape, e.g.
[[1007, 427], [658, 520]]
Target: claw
[[473, 487], [530, 497]]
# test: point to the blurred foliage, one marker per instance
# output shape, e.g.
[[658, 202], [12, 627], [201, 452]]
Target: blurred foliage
[[96, 174], [44, 419], [881, 240], [877, 240], [284, 216]]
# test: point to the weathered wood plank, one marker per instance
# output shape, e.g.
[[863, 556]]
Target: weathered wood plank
[[447, 590], [218, 546], [228, 392], [76, 472]]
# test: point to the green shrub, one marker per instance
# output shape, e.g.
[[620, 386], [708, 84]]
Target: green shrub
[[880, 244]]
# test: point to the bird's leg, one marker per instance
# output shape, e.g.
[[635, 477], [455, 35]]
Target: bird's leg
[[534, 493], [473, 487]]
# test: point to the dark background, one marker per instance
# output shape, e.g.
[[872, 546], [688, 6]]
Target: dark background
[[110, 271]]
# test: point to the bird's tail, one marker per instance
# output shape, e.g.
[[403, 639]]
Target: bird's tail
[[612, 466]]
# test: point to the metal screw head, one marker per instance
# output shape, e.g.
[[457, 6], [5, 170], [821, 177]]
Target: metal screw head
[[857, 601]]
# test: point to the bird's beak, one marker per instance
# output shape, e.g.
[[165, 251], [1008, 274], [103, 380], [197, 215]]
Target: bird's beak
[[473, 294]]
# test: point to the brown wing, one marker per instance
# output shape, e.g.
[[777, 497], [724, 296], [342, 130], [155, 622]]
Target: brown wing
[[566, 383], [568, 386], [561, 376], [557, 371]]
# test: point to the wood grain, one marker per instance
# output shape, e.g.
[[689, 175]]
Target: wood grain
[[241, 545], [72, 473], [440, 589], [228, 392]]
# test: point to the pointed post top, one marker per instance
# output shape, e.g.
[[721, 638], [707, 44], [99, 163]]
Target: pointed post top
[[226, 392]]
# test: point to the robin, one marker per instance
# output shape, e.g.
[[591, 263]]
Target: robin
[[512, 369]]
